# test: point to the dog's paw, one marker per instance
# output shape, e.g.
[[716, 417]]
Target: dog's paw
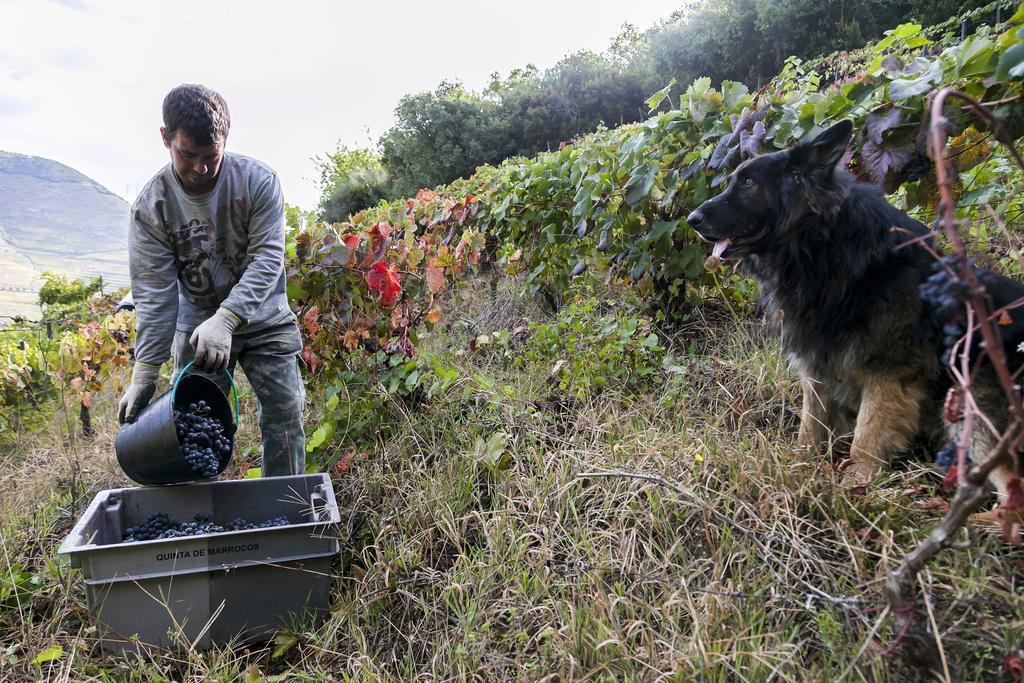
[[987, 518], [997, 517], [1007, 524], [857, 475]]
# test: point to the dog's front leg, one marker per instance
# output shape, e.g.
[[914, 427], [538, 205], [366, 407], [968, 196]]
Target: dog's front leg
[[814, 419], [886, 422]]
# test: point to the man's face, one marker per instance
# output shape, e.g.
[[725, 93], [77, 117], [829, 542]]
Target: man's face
[[197, 167]]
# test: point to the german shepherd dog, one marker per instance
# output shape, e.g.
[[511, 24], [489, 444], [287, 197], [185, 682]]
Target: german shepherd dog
[[841, 270]]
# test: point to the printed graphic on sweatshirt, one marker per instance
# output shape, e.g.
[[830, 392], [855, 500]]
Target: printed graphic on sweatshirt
[[192, 244]]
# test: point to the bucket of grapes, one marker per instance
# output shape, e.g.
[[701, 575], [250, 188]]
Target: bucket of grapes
[[185, 435]]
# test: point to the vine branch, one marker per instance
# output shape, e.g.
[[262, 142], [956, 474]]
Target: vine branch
[[973, 490]]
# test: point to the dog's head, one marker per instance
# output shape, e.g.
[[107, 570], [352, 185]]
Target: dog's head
[[767, 195]]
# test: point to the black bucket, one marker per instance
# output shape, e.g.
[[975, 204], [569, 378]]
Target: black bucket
[[148, 449]]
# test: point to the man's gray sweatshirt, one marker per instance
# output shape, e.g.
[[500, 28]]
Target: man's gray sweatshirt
[[191, 254]]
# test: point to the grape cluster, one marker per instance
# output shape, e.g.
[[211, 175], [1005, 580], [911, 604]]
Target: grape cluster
[[946, 455], [945, 293], [204, 445], [951, 332], [149, 530], [159, 525], [944, 290], [240, 524]]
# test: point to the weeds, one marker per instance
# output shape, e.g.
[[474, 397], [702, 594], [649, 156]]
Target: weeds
[[508, 530]]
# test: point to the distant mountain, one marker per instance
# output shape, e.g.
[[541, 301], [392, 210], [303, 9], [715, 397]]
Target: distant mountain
[[54, 218]]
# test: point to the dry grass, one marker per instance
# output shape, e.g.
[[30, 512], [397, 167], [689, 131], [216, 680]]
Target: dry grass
[[665, 534]]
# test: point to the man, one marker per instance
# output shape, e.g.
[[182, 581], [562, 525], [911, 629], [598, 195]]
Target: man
[[206, 256]]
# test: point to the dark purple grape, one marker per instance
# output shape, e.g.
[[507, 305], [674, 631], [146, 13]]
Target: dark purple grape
[[159, 526], [199, 435], [946, 455]]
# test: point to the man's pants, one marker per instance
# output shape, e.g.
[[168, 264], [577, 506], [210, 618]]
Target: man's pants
[[270, 360]]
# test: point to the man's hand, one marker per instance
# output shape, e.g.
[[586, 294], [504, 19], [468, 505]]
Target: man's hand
[[139, 392], [212, 341]]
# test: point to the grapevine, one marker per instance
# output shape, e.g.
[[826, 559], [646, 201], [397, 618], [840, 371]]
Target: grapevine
[[612, 203]]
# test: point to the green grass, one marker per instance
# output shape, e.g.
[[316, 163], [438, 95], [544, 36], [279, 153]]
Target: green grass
[[508, 530]]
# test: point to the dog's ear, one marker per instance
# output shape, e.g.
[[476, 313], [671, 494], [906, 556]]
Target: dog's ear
[[824, 151]]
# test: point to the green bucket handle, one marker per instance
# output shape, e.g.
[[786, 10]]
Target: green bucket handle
[[184, 371]]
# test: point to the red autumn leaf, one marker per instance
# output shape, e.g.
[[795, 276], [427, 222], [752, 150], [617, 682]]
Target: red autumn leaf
[[381, 230], [951, 480], [1015, 494], [341, 467], [311, 321], [399, 318], [383, 278], [1014, 664], [425, 196], [470, 199], [1008, 513], [310, 359], [352, 242], [435, 278], [953, 407]]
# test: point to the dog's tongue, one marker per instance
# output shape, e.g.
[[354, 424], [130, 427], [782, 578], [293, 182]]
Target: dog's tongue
[[712, 262]]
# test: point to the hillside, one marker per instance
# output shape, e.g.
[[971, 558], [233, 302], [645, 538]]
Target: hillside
[[565, 443], [54, 218]]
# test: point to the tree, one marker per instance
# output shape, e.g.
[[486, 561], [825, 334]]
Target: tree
[[350, 180], [928, 12], [442, 135], [445, 134], [749, 40]]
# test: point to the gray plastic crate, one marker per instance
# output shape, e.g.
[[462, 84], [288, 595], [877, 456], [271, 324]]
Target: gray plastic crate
[[197, 591]]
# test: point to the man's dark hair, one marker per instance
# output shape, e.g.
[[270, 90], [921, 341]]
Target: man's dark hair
[[198, 112]]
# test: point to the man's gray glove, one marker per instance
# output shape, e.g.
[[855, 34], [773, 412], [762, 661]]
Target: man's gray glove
[[139, 392], [212, 341]]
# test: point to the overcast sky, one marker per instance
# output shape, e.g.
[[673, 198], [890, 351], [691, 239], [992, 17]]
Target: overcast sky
[[81, 81]]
